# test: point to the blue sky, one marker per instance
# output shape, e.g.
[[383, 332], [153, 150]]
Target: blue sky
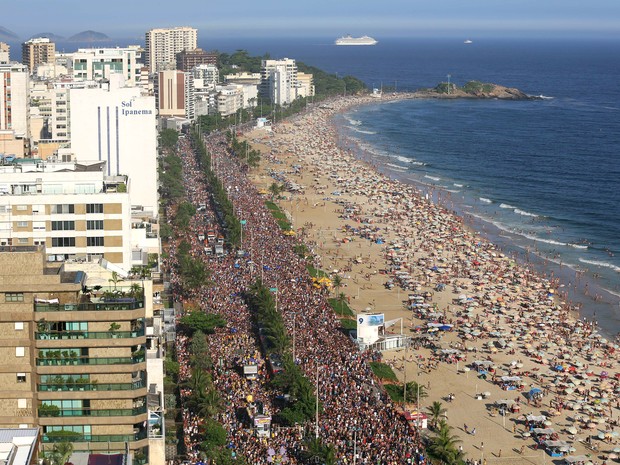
[[317, 18]]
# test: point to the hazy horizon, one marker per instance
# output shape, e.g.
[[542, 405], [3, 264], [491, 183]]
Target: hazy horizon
[[392, 18]]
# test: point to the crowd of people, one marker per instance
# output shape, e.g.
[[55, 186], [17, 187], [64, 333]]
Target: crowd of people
[[356, 414]]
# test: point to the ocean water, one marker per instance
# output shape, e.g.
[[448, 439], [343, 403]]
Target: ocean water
[[539, 178]]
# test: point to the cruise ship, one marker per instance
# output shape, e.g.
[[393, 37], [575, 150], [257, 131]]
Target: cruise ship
[[348, 40]]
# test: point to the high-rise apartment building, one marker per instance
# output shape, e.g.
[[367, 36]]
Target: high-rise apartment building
[[72, 360], [174, 91], [118, 125], [188, 59], [279, 80], [14, 108], [37, 51], [5, 53], [162, 46]]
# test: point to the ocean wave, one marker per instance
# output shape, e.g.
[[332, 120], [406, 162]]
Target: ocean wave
[[396, 167], [432, 178], [617, 294], [418, 163], [362, 131], [354, 122], [578, 246], [453, 191], [603, 264], [458, 185], [545, 97], [524, 213], [403, 159], [505, 205], [485, 200]]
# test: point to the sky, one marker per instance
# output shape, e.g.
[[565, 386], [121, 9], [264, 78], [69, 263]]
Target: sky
[[318, 18]]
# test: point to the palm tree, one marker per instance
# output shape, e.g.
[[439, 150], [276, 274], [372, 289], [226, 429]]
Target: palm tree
[[60, 454], [337, 282], [443, 446], [436, 410], [275, 189], [115, 279], [415, 391]]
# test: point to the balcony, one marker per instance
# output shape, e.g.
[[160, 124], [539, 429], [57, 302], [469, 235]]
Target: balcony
[[91, 361], [58, 335], [79, 437], [55, 387], [129, 304], [119, 412]]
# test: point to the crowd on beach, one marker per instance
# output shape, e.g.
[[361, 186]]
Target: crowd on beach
[[497, 311], [353, 408]]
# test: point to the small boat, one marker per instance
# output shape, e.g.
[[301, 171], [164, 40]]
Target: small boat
[[468, 42]]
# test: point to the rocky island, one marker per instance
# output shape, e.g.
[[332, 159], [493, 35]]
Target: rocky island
[[474, 89]]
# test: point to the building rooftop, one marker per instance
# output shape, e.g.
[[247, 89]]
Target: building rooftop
[[17, 445]]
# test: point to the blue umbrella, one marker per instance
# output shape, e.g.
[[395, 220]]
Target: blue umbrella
[[534, 391]]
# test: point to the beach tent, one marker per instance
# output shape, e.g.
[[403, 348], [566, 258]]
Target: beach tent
[[575, 459]]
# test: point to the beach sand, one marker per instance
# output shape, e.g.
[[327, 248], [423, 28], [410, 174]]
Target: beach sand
[[503, 300]]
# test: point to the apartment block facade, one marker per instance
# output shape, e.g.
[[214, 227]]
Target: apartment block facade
[[72, 209], [38, 51], [163, 44], [71, 361], [279, 80], [188, 59], [14, 108]]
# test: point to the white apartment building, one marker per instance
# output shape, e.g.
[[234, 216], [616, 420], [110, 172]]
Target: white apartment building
[[51, 99], [14, 108], [74, 209], [163, 44], [99, 63], [229, 99], [279, 80], [5, 53], [118, 125], [206, 77]]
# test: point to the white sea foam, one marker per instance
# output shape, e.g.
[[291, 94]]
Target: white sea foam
[[362, 131], [454, 191], [546, 241], [611, 292], [545, 97], [403, 159], [524, 213], [505, 205], [432, 178], [396, 167], [603, 264], [485, 200], [578, 246], [354, 122], [458, 185], [419, 163]]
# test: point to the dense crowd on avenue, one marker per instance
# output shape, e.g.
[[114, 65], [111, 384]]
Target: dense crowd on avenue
[[357, 414]]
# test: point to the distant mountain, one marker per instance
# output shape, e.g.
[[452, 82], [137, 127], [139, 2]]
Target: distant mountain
[[7, 35], [50, 35], [89, 36]]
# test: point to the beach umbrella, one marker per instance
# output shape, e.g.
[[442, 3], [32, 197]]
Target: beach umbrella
[[572, 430]]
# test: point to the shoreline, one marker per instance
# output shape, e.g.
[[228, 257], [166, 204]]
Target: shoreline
[[579, 286], [325, 232]]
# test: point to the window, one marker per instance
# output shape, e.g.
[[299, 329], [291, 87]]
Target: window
[[94, 224], [22, 224], [22, 403], [63, 225], [63, 208], [21, 377], [20, 351], [22, 240], [21, 208], [38, 225], [94, 208], [19, 326], [13, 296], [94, 241], [63, 241]]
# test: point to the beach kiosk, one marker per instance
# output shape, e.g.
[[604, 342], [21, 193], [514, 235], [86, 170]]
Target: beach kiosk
[[371, 332]]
